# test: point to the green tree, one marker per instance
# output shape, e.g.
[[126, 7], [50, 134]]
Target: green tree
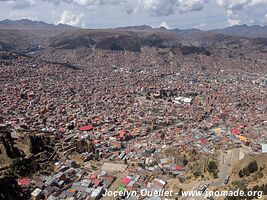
[[162, 136], [212, 167], [246, 171], [253, 167], [180, 192], [185, 161], [241, 174]]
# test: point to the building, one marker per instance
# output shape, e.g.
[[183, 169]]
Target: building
[[264, 148], [36, 194]]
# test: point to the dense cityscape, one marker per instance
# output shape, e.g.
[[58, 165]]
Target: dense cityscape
[[88, 115]]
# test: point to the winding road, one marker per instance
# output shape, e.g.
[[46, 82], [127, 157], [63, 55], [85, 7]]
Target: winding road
[[224, 173]]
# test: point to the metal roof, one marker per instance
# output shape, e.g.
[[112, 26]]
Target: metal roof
[[264, 148]]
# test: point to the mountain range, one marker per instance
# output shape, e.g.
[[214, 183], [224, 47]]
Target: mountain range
[[29, 24], [253, 31]]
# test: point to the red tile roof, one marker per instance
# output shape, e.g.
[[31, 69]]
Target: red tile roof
[[86, 128]]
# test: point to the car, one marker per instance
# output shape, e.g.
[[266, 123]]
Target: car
[[226, 180], [208, 198], [203, 188]]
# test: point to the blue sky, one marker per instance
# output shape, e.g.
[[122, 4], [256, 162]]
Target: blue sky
[[203, 14]]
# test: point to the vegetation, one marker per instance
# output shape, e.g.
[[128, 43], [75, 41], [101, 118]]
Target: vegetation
[[185, 161], [180, 192], [254, 193], [213, 168], [250, 169]]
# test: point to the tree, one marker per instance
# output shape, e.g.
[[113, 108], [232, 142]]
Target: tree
[[215, 174], [241, 174], [265, 189], [253, 167], [180, 192], [97, 154], [194, 152], [246, 171], [212, 167], [197, 174], [185, 162], [162, 136], [148, 130]]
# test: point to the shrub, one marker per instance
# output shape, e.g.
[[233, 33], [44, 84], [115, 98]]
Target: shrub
[[212, 167], [253, 167], [241, 174], [246, 171]]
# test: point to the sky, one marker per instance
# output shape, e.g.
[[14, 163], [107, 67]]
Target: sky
[[182, 14]]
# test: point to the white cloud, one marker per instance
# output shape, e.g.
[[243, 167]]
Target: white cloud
[[233, 22], [69, 18], [200, 26], [264, 20], [239, 10], [164, 24], [167, 7], [191, 5], [236, 11], [89, 3], [240, 4], [257, 2], [22, 3], [92, 3], [157, 7]]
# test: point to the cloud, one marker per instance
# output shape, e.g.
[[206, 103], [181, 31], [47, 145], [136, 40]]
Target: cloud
[[88, 3], [238, 10], [200, 26], [236, 5], [69, 18], [16, 4], [164, 24], [165, 7], [21, 4], [92, 3], [233, 22], [264, 20], [191, 5]]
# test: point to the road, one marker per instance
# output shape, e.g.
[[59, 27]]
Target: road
[[223, 174], [225, 170]]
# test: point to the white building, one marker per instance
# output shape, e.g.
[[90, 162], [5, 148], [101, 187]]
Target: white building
[[36, 194], [264, 148]]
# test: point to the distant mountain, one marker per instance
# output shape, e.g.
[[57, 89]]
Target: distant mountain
[[189, 32], [197, 35], [29, 24], [254, 31], [20, 34], [163, 28], [142, 27]]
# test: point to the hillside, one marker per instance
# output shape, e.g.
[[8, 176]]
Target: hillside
[[255, 31], [29, 24]]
